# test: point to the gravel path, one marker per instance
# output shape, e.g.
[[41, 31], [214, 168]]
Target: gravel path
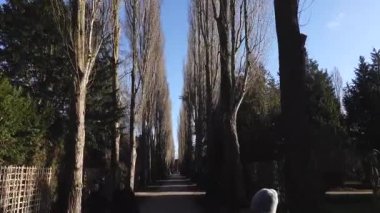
[[174, 195]]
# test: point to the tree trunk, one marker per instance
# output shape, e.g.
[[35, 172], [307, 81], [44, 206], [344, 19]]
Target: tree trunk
[[144, 151], [207, 42], [150, 158], [199, 114], [292, 54], [81, 80], [115, 82], [232, 178], [75, 196], [198, 147], [114, 177], [132, 129], [133, 163], [231, 167], [133, 97]]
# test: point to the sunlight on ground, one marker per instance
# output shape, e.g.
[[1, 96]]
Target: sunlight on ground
[[173, 180], [178, 193], [356, 192], [173, 186]]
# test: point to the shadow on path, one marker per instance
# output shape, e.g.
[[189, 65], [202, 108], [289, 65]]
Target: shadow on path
[[174, 195]]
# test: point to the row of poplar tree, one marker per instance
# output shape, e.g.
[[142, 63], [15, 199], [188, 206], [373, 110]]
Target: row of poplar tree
[[234, 113], [74, 96]]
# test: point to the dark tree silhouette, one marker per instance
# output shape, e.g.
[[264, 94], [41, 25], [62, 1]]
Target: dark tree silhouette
[[292, 60]]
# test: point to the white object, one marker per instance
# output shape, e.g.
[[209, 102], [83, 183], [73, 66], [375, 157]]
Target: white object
[[264, 201]]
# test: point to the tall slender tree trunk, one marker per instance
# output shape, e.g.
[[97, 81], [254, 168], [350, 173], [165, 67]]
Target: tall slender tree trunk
[[206, 36], [198, 147], [132, 139], [150, 158], [133, 142], [113, 177], [81, 80], [75, 196], [83, 43], [199, 114], [298, 185], [115, 80], [115, 152], [209, 116], [144, 150]]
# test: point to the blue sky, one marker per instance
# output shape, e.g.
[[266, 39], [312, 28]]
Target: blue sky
[[174, 18], [339, 31]]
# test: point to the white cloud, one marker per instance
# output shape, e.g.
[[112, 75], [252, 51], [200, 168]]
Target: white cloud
[[336, 22]]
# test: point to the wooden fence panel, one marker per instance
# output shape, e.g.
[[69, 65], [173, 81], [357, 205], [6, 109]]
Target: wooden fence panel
[[24, 189]]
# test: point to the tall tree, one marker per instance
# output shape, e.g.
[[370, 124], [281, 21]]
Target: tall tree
[[83, 34], [145, 37], [115, 83], [241, 29], [323, 106], [292, 60], [362, 103], [150, 67], [201, 83], [134, 38], [226, 41]]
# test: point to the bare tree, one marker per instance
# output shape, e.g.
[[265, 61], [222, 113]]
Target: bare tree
[[150, 45], [337, 81], [147, 75], [83, 34], [242, 31], [132, 8], [226, 42], [201, 84], [163, 141]]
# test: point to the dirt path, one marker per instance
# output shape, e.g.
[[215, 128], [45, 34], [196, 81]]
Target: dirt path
[[174, 195]]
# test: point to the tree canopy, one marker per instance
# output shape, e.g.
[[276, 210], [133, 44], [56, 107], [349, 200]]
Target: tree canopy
[[23, 128], [362, 103]]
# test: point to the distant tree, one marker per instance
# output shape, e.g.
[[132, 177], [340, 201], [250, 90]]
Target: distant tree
[[258, 122], [258, 118], [362, 103], [327, 131], [101, 113], [323, 104], [199, 96], [147, 75], [337, 83], [226, 42], [164, 141], [185, 139], [153, 72]]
